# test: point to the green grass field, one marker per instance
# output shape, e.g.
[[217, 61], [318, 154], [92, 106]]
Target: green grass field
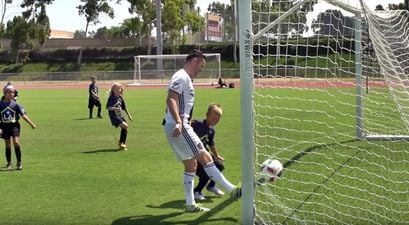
[[74, 175]]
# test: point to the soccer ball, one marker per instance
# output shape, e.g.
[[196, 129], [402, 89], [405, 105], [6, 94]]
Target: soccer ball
[[270, 169]]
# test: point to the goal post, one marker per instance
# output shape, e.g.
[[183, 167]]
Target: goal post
[[325, 90], [158, 69]]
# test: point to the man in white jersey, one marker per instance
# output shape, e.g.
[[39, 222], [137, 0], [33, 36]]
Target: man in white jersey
[[184, 142]]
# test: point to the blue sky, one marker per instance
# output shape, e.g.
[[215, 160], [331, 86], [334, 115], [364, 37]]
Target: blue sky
[[63, 14]]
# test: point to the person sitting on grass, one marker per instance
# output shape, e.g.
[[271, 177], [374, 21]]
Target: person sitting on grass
[[221, 83]]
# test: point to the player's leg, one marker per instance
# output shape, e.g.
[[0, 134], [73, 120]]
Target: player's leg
[[182, 149], [123, 135], [17, 150], [188, 180], [215, 174], [98, 105], [212, 185], [204, 157], [7, 143], [203, 180], [90, 108], [206, 160]]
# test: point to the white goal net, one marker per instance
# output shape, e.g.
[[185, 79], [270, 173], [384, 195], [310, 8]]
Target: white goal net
[[329, 100], [158, 69]]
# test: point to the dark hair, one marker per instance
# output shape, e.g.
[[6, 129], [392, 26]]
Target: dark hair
[[195, 54]]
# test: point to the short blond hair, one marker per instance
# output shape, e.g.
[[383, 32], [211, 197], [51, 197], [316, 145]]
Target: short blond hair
[[214, 107]]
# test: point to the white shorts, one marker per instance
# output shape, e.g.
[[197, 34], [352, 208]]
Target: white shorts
[[187, 145]]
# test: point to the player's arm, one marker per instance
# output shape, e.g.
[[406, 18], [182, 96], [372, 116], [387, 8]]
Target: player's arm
[[172, 103], [128, 114], [28, 120], [126, 110], [215, 153], [95, 95], [110, 106]]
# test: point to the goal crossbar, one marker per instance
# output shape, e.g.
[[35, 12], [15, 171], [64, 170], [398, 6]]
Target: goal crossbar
[[176, 60]]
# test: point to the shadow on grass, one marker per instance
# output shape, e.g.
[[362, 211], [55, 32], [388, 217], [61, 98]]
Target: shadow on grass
[[299, 157], [101, 151], [146, 219], [82, 118], [161, 219]]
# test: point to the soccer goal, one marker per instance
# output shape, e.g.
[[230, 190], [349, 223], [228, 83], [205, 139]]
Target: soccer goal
[[158, 69], [324, 89]]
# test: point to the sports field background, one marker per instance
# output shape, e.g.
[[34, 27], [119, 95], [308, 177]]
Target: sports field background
[[74, 175]]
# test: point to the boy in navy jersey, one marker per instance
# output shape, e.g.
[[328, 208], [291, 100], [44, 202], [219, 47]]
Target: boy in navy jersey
[[115, 106], [93, 99], [10, 112], [205, 131]]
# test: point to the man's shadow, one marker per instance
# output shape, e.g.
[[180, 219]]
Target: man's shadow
[[109, 150], [177, 204]]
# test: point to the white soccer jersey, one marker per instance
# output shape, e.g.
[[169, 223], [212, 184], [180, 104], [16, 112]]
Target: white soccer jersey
[[182, 84]]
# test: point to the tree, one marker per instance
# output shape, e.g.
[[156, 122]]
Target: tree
[[227, 13], [180, 17], [144, 19], [79, 34], [379, 8], [331, 22], [35, 13], [33, 26], [400, 6], [296, 22], [4, 4], [229, 22], [92, 9], [20, 32]]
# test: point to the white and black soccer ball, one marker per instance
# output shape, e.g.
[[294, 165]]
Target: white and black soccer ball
[[271, 170]]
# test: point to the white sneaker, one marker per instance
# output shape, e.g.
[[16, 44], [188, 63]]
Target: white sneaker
[[196, 208], [215, 190], [199, 196]]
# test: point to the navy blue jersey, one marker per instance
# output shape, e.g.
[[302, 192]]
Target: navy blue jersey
[[93, 89], [118, 102], [204, 132], [10, 112]]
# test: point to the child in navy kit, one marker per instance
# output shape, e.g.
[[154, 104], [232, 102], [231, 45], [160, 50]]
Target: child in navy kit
[[115, 106], [10, 112], [93, 99], [205, 131]]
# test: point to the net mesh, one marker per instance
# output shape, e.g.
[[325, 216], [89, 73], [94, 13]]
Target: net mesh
[[318, 118]]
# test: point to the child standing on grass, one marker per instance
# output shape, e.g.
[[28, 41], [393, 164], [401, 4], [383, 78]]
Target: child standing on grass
[[115, 106], [93, 99], [10, 112]]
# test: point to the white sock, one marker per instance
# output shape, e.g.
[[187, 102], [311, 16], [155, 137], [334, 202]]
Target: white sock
[[217, 176], [188, 182]]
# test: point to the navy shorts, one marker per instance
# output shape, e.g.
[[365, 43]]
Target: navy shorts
[[10, 130], [93, 102], [116, 120]]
